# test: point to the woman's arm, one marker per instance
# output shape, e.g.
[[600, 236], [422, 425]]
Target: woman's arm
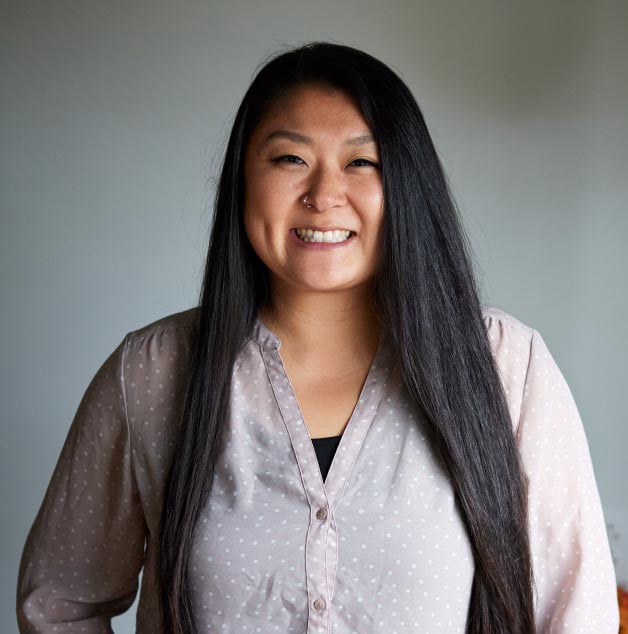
[[84, 552], [575, 579]]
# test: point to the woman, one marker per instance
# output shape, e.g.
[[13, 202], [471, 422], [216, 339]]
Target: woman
[[461, 495]]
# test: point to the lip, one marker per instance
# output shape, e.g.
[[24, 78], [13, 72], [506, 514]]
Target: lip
[[323, 229], [320, 246]]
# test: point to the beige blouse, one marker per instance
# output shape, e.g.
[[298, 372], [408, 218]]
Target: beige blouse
[[379, 547]]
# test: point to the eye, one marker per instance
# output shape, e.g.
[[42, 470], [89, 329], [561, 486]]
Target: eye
[[291, 158], [365, 161], [286, 158]]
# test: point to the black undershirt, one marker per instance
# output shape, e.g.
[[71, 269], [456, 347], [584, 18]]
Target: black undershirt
[[325, 449]]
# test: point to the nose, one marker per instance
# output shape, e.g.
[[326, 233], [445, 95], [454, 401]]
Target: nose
[[326, 190]]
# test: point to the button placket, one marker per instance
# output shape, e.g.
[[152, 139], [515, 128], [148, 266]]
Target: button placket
[[321, 550]]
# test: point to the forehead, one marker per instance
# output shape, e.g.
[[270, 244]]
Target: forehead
[[313, 107]]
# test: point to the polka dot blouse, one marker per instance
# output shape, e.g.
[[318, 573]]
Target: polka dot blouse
[[378, 547]]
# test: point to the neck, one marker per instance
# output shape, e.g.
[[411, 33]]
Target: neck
[[326, 334]]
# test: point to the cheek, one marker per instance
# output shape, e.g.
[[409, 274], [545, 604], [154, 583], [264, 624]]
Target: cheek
[[260, 226], [369, 189], [254, 227], [372, 200], [255, 210], [376, 194], [266, 197]]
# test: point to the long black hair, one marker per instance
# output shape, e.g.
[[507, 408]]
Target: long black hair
[[426, 296]]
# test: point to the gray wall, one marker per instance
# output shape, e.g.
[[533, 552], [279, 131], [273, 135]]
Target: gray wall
[[113, 119]]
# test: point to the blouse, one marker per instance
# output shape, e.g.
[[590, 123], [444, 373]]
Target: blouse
[[379, 546]]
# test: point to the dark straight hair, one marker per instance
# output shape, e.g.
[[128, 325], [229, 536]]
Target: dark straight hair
[[426, 296]]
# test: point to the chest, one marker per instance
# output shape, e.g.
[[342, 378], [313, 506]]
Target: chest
[[380, 543], [326, 405]]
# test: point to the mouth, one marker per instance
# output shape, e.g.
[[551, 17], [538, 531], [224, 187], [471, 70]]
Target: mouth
[[322, 236], [318, 242]]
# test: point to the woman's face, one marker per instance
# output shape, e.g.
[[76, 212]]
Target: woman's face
[[314, 141]]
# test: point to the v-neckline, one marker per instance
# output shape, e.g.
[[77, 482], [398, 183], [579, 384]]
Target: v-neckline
[[324, 492]]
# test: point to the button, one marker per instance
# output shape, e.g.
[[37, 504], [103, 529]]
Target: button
[[321, 514], [319, 605]]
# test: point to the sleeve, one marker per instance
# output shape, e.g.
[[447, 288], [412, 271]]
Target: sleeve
[[575, 584], [84, 551]]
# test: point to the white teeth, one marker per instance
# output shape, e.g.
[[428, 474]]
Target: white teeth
[[308, 235]]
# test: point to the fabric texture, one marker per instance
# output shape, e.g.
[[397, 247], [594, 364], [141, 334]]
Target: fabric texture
[[379, 546]]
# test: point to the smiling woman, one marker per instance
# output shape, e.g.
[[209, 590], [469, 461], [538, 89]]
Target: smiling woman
[[339, 438], [314, 146]]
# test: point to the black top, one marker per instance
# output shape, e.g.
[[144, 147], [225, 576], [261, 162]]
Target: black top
[[325, 449]]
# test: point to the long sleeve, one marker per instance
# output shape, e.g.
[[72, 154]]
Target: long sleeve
[[574, 574], [85, 549]]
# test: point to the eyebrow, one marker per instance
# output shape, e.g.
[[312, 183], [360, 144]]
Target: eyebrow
[[363, 139]]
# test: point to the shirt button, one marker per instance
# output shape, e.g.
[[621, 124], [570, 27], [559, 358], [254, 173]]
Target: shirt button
[[321, 514], [319, 605]]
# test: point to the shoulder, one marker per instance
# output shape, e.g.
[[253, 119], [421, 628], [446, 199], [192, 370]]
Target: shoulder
[[163, 338], [180, 322], [511, 341], [502, 325], [155, 361], [509, 337]]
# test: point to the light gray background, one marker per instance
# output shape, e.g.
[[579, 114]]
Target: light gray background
[[113, 120]]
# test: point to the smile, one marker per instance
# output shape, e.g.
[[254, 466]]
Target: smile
[[310, 235], [322, 241]]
